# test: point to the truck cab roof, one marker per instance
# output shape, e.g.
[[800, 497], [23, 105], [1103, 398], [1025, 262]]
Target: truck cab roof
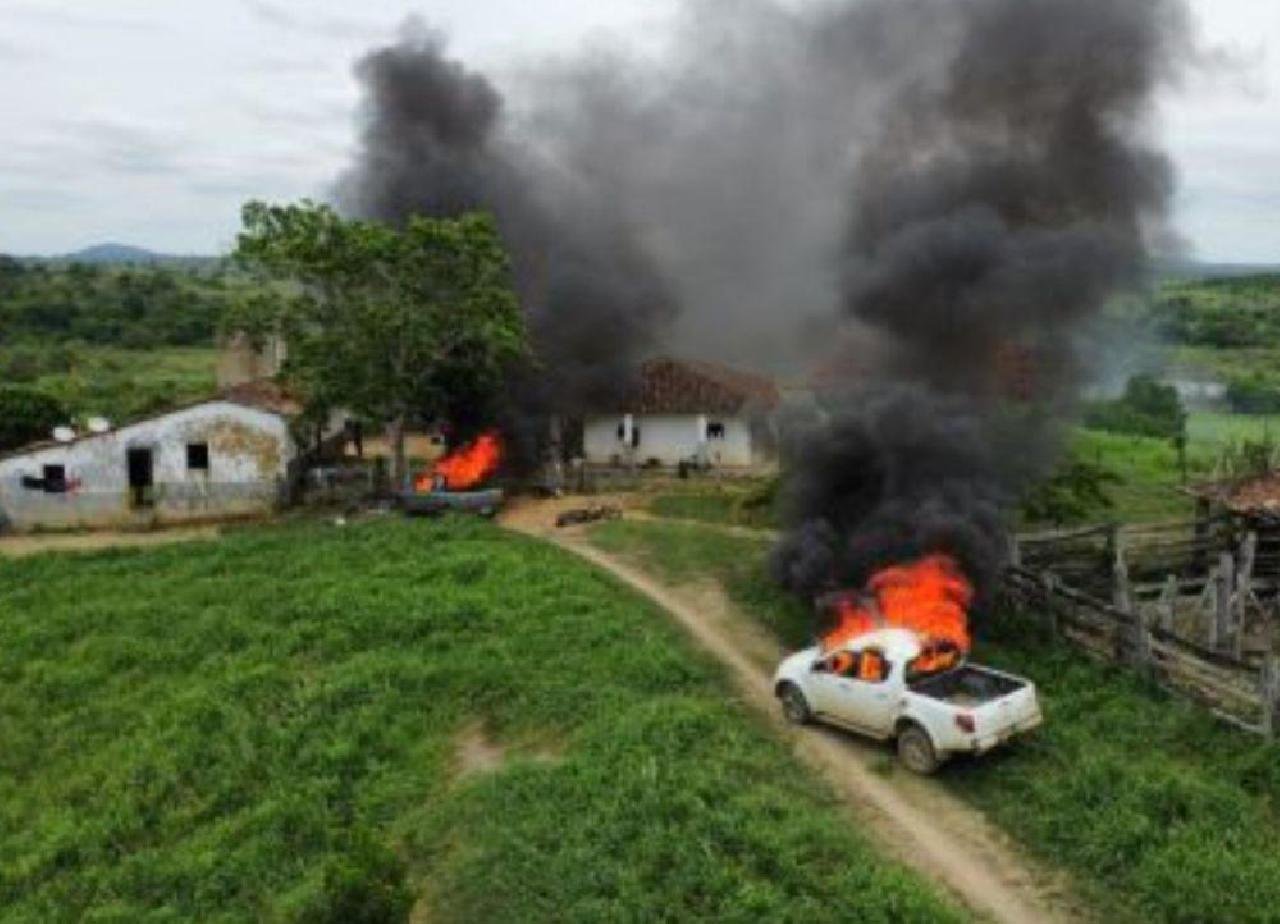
[[899, 645]]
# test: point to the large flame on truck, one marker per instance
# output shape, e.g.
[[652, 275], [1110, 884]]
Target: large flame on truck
[[931, 597], [466, 468]]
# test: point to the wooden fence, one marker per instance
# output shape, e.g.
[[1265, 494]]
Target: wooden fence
[[1184, 603]]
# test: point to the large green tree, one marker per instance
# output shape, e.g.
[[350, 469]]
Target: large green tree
[[385, 321]]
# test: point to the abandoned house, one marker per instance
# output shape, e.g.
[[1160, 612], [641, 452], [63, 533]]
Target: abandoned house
[[687, 411], [230, 455]]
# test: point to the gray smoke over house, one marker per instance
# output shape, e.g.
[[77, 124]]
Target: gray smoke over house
[[437, 142], [1011, 189]]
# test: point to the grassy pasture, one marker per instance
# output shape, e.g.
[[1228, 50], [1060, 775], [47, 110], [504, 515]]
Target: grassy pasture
[[120, 383], [748, 503], [1163, 814], [267, 728]]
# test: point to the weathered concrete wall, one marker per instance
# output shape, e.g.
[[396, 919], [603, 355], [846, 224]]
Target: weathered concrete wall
[[670, 438], [249, 455]]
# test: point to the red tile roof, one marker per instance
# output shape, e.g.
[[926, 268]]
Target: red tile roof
[[681, 386]]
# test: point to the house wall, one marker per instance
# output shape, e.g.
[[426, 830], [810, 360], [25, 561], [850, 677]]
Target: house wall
[[669, 438], [249, 456]]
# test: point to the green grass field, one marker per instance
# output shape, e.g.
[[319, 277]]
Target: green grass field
[[1210, 429], [266, 728], [736, 503], [1163, 814], [1149, 480], [1225, 363], [122, 384]]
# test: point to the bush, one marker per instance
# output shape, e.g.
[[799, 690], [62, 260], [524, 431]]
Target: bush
[[1147, 408], [27, 415], [1253, 394], [1077, 491]]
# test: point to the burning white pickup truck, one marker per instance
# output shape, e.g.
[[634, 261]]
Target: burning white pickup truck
[[888, 684]]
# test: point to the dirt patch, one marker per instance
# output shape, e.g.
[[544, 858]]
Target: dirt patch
[[21, 546], [529, 515], [916, 819], [478, 753]]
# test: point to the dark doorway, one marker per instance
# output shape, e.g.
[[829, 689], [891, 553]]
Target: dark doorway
[[141, 477]]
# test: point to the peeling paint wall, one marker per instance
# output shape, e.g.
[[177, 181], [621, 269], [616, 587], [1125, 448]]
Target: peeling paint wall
[[249, 452]]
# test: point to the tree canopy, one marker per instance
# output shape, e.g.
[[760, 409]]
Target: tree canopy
[[387, 322], [142, 307], [27, 415]]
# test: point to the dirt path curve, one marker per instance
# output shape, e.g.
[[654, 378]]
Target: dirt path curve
[[22, 546], [921, 824]]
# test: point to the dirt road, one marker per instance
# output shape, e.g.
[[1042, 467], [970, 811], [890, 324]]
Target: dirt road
[[920, 823], [21, 546]]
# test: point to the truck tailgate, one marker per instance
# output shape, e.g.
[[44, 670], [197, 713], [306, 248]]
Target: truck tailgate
[[1002, 718]]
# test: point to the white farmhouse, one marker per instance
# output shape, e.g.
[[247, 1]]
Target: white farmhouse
[[687, 411], [231, 455]]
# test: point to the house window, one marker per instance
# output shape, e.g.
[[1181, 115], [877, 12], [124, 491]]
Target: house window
[[55, 479], [715, 431], [197, 457]]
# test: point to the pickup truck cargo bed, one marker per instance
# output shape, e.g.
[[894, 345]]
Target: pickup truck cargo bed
[[967, 685]]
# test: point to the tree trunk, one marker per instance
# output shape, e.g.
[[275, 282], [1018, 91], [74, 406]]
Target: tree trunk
[[399, 466]]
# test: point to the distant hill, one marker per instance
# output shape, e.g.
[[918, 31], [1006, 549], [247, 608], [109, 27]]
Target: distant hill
[[114, 254]]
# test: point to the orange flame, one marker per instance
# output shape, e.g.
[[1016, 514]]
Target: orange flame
[[930, 597], [467, 467]]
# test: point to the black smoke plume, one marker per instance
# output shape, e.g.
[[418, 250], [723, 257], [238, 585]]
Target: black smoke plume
[[437, 142], [928, 201], [1009, 191]]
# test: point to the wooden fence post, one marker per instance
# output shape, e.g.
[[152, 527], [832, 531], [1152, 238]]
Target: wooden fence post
[[1243, 592], [1050, 583], [1270, 689], [1222, 603], [1169, 603], [1121, 592], [1143, 659]]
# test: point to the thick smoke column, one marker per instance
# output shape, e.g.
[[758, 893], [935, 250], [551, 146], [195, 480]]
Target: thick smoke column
[[929, 200], [437, 143], [1010, 191]]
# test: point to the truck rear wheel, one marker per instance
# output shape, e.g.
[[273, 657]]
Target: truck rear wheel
[[916, 752], [794, 706]]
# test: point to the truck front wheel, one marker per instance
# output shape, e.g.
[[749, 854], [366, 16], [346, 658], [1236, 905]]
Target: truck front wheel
[[794, 706], [916, 752]]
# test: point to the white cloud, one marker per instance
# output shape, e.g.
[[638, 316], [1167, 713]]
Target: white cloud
[[151, 121]]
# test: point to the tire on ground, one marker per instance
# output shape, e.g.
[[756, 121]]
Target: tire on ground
[[794, 706], [916, 751]]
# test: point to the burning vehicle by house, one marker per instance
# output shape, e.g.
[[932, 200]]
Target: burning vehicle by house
[[893, 665], [458, 481]]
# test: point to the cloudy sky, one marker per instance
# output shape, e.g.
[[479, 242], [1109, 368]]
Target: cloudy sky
[[150, 121]]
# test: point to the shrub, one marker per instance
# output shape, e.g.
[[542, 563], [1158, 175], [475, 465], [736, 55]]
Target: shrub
[[1253, 394], [1077, 491], [1147, 408], [27, 415]]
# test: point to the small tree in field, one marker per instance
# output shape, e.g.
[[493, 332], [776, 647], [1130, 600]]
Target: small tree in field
[[387, 322]]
